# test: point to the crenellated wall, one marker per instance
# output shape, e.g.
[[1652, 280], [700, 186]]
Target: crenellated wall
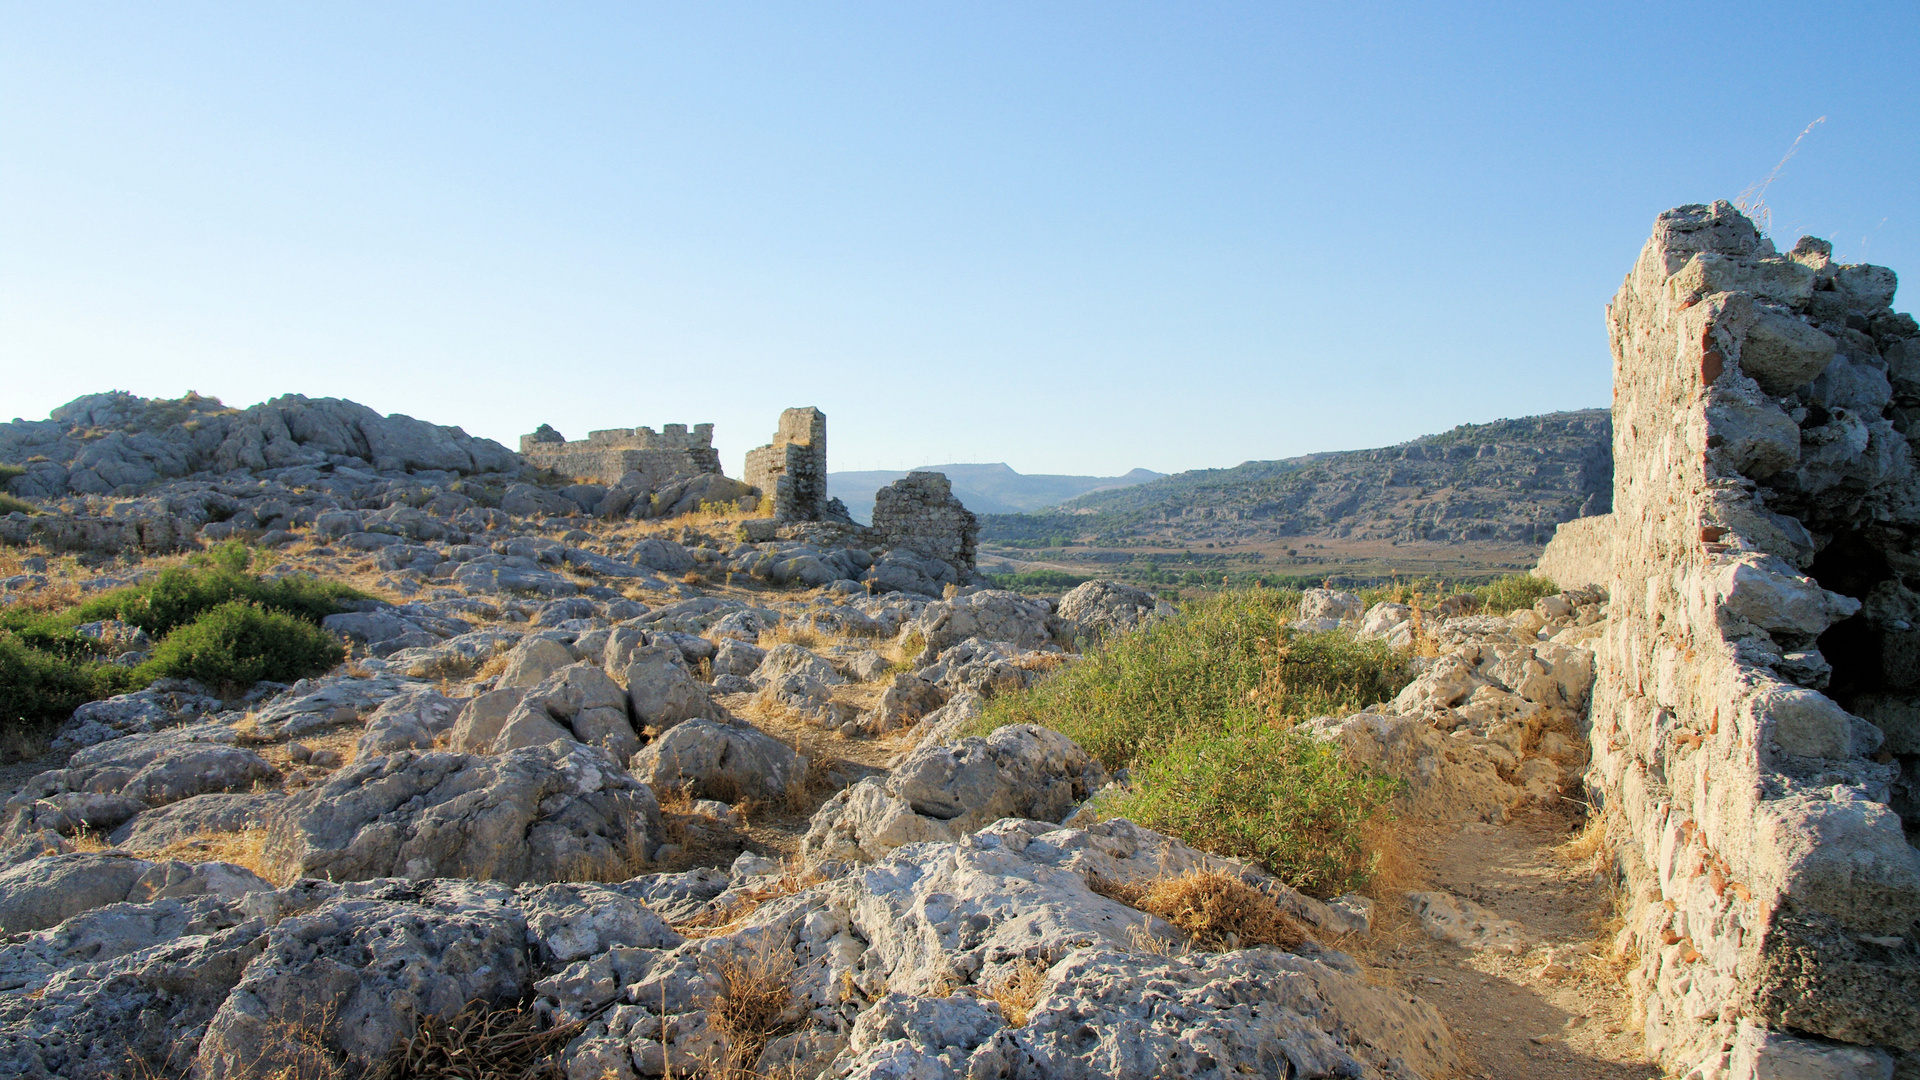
[[616, 455], [1761, 562]]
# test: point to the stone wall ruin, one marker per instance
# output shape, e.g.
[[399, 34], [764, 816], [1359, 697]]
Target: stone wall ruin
[[920, 513], [611, 456], [792, 469], [1755, 727]]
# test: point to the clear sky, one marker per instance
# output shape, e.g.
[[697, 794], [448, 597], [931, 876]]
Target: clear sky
[[1073, 237]]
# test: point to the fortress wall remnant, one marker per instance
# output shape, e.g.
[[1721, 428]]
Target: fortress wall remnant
[[920, 513], [1580, 555], [611, 457], [793, 468], [1762, 551]]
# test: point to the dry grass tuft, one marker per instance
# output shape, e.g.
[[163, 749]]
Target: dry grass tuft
[[1018, 990], [719, 920], [495, 666], [482, 1042], [1216, 911], [90, 840], [246, 848], [751, 1010]]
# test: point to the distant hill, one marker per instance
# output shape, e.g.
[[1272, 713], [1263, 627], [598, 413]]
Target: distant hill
[[1510, 480], [985, 489]]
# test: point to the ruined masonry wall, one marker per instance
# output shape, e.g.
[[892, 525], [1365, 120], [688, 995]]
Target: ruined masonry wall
[[919, 512], [792, 469], [1580, 555], [608, 457], [1772, 886]]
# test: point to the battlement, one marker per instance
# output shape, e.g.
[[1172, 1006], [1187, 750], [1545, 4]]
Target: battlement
[[611, 455]]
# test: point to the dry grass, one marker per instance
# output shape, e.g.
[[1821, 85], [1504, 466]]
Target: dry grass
[[1019, 990], [751, 1010], [482, 1042], [246, 848], [90, 841], [718, 921], [1216, 911], [495, 666]]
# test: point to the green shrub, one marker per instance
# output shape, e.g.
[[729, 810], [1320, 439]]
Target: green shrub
[[38, 689], [1230, 657], [8, 472], [11, 505], [1275, 797], [1038, 581], [239, 643], [1198, 708], [1509, 594], [181, 594]]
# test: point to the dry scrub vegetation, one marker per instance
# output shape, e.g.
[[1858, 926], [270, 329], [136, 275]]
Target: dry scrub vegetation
[[1216, 911]]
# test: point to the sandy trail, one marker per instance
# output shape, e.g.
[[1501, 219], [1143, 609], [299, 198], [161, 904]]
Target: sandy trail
[[1513, 1021]]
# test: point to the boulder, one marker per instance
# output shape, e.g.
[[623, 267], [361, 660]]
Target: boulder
[[408, 721], [991, 614], [350, 979], [53, 888], [533, 661], [789, 659], [1094, 609], [661, 692], [728, 761], [199, 816], [559, 812], [567, 921], [582, 702], [164, 704], [944, 792]]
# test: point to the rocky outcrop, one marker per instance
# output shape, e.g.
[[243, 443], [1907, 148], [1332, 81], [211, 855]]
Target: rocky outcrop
[[558, 812], [1751, 725], [944, 792], [115, 442]]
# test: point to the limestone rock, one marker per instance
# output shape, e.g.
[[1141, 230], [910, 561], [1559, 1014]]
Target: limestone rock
[[346, 981], [49, 890], [1100, 607], [552, 813], [990, 614], [728, 761], [944, 792]]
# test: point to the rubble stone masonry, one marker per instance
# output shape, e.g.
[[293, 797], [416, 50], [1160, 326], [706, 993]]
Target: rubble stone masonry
[[1756, 720], [608, 457]]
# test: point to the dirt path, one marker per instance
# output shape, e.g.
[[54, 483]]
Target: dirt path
[[1514, 1021]]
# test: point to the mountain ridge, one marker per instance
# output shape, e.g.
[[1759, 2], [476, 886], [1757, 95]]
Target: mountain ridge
[[1509, 480], [985, 488]]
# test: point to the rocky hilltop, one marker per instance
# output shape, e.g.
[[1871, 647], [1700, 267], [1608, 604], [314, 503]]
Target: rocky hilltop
[[1510, 480], [608, 790]]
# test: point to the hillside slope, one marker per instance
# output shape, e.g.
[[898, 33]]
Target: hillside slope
[[1510, 481], [985, 489]]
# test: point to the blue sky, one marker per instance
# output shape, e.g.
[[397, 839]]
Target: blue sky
[[1072, 237]]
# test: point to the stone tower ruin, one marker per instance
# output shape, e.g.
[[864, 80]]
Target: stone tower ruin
[[792, 469]]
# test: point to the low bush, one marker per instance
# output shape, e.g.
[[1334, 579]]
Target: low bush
[[11, 505], [1200, 708], [215, 622], [39, 689], [239, 643], [181, 594], [1509, 594], [1282, 799], [1226, 659]]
